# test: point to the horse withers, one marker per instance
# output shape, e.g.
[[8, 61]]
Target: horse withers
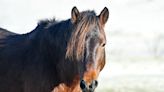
[[57, 56]]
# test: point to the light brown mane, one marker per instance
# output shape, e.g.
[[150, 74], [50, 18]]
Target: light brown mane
[[76, 45]]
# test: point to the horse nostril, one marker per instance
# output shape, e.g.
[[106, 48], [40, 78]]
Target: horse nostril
[[96, 83], [93, 85], [82, 84]]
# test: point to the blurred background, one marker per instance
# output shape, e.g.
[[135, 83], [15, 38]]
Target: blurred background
[[135, 37]]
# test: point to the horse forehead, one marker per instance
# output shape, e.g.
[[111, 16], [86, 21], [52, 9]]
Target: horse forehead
[[97, 31], [88, 17]]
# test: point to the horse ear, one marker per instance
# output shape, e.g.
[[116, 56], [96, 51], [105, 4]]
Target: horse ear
[[104, 16], [74, 14]]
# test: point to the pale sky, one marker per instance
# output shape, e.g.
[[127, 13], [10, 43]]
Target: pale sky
[[22, 16]]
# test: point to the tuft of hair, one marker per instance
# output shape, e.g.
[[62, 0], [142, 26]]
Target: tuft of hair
[[47, 22]]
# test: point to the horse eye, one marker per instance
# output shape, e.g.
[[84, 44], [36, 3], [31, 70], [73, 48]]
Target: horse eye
[[102, 45]]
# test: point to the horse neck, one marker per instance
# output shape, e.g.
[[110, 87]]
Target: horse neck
[[53, 40], [52, 44]]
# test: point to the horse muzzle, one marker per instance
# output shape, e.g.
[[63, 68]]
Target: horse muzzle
[[88, 88]]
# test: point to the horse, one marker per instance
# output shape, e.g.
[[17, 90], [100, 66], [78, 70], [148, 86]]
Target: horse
[[56, 56]]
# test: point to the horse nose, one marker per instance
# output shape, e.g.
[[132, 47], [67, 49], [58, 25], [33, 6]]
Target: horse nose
[[90, 88]]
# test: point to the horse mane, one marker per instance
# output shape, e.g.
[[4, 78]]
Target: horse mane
[[76, 45]]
